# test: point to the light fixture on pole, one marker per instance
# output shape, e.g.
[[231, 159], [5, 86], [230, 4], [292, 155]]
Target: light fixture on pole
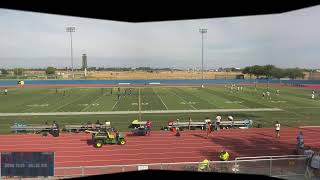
[[202, 31], [71, 30]]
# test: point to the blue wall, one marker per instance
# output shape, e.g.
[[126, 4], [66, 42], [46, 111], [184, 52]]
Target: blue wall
[[173, 81]]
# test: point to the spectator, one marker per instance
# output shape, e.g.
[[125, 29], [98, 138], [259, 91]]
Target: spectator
[[218, 120], [207, 120], [308, 152], [315, 163], [277, 129], [209, 129], [190, 121], [230, 118], [177, 132], [149, 126], [300, 140]]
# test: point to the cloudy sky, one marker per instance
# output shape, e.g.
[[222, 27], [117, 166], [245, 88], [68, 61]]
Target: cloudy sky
[[39, 40]]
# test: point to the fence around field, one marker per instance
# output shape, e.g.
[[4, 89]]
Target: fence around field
[[287, 167]]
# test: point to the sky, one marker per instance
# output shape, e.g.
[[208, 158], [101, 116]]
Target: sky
[[38, 40]]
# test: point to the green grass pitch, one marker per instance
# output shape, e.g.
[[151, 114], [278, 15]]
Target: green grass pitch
[[297, 105]]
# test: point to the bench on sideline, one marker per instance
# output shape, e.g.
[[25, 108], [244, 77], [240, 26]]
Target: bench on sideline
[[82, 128], [202, 125]]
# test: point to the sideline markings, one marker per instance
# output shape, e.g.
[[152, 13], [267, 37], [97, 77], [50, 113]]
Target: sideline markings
[[144, 112], [116, 103], [183, 100], [161, 100]]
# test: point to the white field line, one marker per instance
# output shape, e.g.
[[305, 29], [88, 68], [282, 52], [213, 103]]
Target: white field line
[[183, 100], [161, 100], [144, 112], [92, 103], [63, 105], [116, 104]]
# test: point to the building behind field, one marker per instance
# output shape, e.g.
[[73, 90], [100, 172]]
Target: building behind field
[[312, 75]]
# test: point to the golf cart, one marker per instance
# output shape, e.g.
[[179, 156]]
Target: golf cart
[[99, 138]]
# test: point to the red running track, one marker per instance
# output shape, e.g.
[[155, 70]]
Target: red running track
[[74, 150]]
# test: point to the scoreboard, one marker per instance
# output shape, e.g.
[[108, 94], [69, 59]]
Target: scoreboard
[[27, 164]]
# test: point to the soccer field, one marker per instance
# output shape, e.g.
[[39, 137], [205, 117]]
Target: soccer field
[[297, 107]]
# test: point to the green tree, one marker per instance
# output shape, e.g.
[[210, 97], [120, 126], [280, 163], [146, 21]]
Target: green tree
[[18, 71], [294, 73], [258, 70], [248, 70], [4, 72], [268, 70], [50, 70], [278, 73]]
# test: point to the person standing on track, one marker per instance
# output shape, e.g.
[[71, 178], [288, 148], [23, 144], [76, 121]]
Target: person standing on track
[[218, 119], [300, 141], [5, 91], [209, 129], [149, 126], [277, 129]]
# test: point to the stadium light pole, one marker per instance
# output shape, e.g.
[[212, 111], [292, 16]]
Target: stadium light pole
[[71, 30], [202, 31]]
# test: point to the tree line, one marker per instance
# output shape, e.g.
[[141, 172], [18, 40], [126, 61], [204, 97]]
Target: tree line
[[273, 72]]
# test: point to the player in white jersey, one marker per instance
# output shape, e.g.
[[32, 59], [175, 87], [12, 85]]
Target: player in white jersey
[[268, 94]]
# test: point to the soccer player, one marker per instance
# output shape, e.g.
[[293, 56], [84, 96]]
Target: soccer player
[[241, 88], [277, 129], [268, 94], [278, 92], [312, 96], [111, 91], [56, 91], [130, 91], [5, 91], [263, 94]]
